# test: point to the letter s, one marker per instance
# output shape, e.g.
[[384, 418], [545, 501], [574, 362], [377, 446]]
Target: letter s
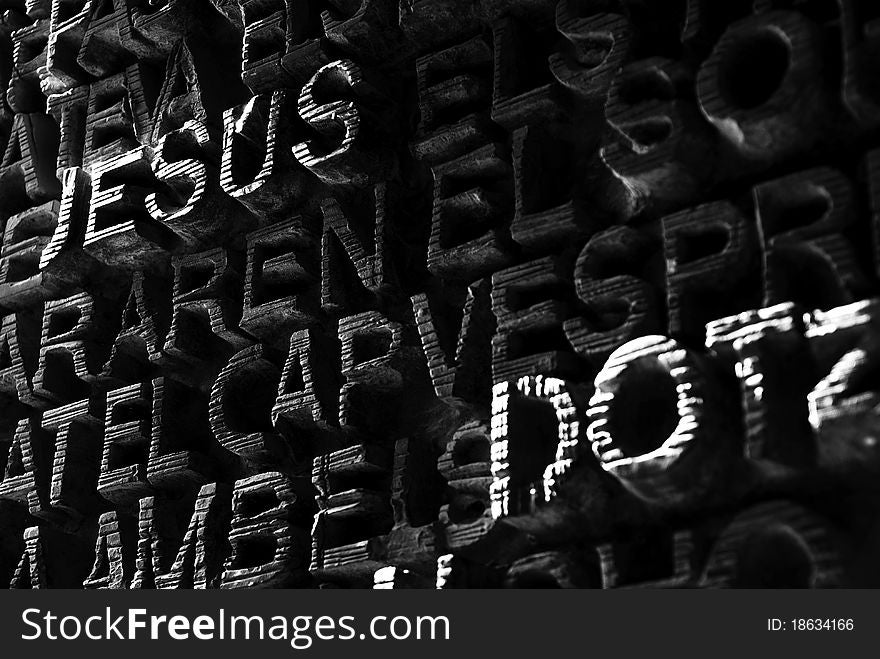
[[24, 619]]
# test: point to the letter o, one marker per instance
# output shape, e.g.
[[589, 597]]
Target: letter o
[[76, 622], [394, 622], [661, 421]]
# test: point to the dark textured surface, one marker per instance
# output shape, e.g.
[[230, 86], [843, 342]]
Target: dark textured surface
[[439, 293]]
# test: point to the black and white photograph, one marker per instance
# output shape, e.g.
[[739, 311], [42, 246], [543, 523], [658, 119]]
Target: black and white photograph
[[497, 296]]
